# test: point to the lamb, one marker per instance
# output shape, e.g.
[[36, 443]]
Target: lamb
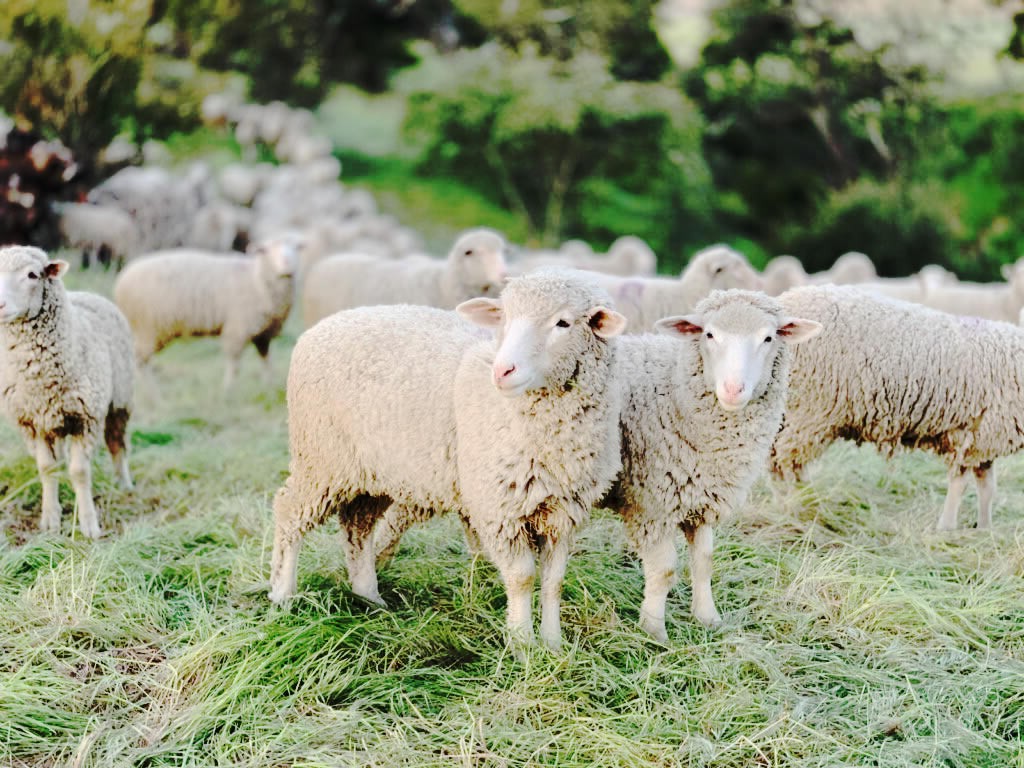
[[645, 300], [218, 225], [187, 292], [519, 435], [66, 375], [701, 407], [475, 266], [900, 375], [92, 228]]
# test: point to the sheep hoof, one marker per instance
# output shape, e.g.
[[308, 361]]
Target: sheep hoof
[[279, 596], [373, 598], [711, 620], [656, 630], [48, 524]]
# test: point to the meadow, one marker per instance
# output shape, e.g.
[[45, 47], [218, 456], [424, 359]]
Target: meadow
[[854, 634]]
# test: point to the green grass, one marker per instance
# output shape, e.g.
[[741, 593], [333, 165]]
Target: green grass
[[854, 634]]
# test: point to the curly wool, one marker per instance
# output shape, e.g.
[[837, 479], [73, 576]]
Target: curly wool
[[67, 370], [687, 461], [534, 465], [899, 376]]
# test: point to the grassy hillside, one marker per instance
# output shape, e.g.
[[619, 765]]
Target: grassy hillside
[[854, 634]]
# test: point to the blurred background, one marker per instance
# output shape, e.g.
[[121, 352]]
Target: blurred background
[[892, 127]]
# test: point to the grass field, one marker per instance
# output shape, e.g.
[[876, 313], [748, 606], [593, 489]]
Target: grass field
[[854, 634]]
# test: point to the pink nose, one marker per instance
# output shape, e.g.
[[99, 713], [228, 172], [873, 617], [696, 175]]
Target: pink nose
[[733, 388], [503, 371]]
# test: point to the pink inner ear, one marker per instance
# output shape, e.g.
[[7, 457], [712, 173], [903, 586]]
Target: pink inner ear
[[787, 329], [53, 269], [685, 326]]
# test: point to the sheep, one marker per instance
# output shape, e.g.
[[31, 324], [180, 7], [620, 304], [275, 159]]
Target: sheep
[[645, 300], [851, 267], [66, 374], [94, 227], [900, 375], [994, 301], [701, 406], [782, 273], [217, 226], [188, 292], [240, 183], [475, 266], [518, 435]]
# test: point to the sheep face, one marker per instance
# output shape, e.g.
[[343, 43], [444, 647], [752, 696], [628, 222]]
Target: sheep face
[[542, 332], [739, 343], [280, 256], [478, 258], [25, 276]]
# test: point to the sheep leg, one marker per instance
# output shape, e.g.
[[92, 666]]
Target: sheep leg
[[661, 569], [262, 345], [358, 520], [114, 434], [290, 525], [985, 477], [701, 543], [954, 493], [231, 365], [46, 463], [396, 520], [518, 568], [80, 470], [554, 556]]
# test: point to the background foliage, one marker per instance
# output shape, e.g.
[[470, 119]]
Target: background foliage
[[786, 134]]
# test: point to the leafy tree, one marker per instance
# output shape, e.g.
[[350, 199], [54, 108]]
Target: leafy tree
[[72, 76], [620, 30], [796, 108], [575, 151]]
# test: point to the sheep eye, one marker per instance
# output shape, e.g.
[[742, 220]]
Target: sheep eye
[[767, 339], [718, 271], [708, 334], [33, 276], [562, 323], [468, 253]]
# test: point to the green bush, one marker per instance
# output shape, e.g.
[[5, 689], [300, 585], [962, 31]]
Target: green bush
[[576, 152], [901, 227]]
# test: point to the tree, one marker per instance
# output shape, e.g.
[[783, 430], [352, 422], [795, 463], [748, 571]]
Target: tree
[[619, 30], [795, 108], [72, 77], [565, 144]]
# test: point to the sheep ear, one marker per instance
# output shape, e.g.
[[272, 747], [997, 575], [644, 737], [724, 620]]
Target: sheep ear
[[486, 313], [606, 322], [680, 325], [55, 269], [793, 330]]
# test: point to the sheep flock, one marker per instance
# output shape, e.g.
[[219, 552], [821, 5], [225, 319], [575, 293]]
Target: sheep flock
[[517, 388]]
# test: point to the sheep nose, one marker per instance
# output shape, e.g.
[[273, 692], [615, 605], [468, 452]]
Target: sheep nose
[[733, 388], [503, 371]]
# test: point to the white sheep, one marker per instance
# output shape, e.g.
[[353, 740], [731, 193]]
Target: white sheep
[[782, 273], [851, 267], [66, 374], [91, 228], [242, 298], [645, 300], [701, 407], [217, 226], [240, 183], [900, 375], [994, 301], [519, 435], [475, 266]]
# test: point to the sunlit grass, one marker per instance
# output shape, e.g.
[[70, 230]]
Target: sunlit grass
[[854, 633]]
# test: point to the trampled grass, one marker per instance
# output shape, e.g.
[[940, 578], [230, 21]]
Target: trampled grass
[[855, 635]]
